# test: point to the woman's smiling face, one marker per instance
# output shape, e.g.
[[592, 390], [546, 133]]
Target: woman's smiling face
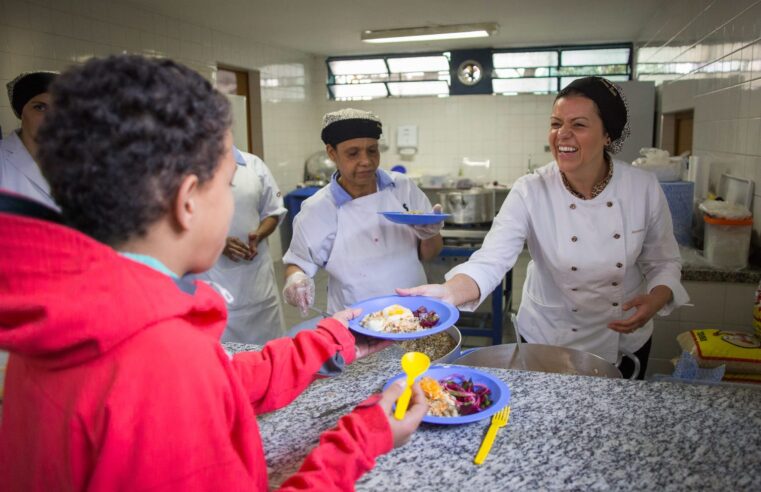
[[577, 136]]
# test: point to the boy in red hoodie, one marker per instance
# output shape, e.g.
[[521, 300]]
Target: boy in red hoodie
[[116, 379]]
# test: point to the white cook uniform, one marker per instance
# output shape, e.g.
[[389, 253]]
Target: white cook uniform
[[254, 315], [589, 257], [365, 254], [20, 174]]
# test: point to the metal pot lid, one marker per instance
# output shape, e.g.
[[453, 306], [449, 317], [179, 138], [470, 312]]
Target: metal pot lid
[[540, 358]]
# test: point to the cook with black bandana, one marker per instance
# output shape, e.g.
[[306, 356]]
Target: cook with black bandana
[[599, 232]]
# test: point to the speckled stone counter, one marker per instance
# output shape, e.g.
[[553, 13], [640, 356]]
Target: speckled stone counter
[[565, 432], [697, 269]]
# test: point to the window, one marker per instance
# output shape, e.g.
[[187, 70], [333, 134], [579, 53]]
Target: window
[[388, 76], [547, 70], [516, 71]]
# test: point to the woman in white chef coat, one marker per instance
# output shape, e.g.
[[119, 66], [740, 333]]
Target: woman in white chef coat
[[245, 269], [30, 100], [339, 227], [604, 256]]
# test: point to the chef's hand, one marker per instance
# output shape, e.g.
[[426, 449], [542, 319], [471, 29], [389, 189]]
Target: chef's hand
[[299, 291], [402, 429], [427, 231], [253, 245], [646, 306], [235, 249], [439, 291]]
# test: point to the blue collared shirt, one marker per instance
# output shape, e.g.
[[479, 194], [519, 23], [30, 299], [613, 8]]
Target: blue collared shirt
[[341, 196]]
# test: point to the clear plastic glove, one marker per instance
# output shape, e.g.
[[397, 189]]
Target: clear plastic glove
[[299, 291], [427, 231]]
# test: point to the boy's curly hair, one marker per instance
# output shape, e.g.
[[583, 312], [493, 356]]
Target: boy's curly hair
[[123, 133]]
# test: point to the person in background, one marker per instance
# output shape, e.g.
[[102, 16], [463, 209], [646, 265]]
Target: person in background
[[117, 379], [339, 227], [245, 269], [19, 172], [604, 256]]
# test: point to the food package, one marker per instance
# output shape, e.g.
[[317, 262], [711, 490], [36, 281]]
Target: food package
[[666, 168], [739, 351]]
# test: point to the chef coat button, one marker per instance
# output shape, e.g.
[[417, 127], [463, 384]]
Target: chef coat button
[[616, 236], [615, 304], [575, 310], [619, 264], [610, 204], [615, 284], [574, 329], [574, 238], [573, 206], [575, 289], [573, 269]]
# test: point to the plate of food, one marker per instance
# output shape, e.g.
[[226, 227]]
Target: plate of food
[[415, 217], [459, 394], [403, 318]]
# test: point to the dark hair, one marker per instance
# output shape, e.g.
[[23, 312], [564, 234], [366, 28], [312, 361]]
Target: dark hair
[[123, 133]]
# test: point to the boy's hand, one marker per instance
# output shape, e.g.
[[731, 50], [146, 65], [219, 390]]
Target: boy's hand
[[363, 345], [402, 429], [235, 249]]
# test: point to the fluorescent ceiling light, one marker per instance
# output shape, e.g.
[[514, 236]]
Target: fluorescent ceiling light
[[431, 33]]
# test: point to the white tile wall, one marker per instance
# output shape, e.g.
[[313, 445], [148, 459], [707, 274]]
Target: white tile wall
[[45, 35], [723, 39], [506, 130]]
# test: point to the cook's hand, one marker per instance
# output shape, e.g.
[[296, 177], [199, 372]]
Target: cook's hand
[[427, 231], [299, 291], [402, 429], [439, 291], [646, 306], [235, 249], [253, 245]]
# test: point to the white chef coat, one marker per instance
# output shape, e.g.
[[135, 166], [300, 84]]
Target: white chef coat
[[589, 257], [20, 174], [254, 315], [365, 254]]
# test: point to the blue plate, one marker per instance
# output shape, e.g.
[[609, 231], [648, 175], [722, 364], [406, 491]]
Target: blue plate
[[448, 315], [500, 393], [414, 219]]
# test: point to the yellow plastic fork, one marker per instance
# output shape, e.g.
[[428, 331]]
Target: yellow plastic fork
[[498, 420]]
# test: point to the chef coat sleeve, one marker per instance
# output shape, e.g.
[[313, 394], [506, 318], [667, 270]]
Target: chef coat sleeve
[[660, 261], [314, 231], [345, 452], [271, 200], [502, 245], [276, 375]]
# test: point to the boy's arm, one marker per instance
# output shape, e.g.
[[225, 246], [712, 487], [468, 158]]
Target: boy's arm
[[275, 376], [346, 452]]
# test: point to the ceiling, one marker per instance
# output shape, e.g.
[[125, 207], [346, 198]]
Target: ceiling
[[332, 27]]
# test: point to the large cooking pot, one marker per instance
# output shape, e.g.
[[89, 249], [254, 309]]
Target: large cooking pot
[[472, 206], [540, 358]]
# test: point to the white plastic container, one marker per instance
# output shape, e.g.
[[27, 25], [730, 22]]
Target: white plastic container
[[727, 241]]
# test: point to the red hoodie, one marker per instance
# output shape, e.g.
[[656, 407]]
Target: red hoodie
[[117, 381]]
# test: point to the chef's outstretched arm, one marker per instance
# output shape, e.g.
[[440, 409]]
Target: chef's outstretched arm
[[458, 290], [646, 306]]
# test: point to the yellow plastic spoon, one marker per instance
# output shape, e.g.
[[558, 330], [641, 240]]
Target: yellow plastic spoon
[[414, 364]]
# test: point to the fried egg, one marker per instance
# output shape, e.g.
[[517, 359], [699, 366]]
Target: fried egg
[[395, 312]]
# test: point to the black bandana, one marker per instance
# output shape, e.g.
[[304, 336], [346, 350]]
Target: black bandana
[[347, 124], [609, 100], [26, 86]]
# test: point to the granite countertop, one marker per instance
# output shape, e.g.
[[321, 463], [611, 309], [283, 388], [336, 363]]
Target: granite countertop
[[696, 268], [565, 432]]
